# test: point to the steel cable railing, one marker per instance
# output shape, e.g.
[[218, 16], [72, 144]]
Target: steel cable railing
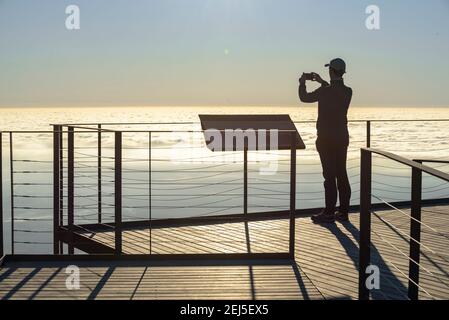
[[190, 184], [137, 184], [19, 212], [399, 250], [411, 241]]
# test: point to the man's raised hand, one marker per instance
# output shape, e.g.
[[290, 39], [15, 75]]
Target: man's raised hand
[[316, 77]]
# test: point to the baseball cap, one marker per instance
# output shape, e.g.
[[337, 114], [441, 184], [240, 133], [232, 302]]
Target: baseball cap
[[337, 64]]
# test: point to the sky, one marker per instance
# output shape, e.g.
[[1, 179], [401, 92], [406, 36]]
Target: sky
[[219, 52]]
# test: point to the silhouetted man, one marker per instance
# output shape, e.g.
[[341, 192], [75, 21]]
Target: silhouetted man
[[333, 137]]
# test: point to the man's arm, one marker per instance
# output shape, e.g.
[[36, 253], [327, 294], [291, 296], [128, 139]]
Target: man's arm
[[349, 96], [308, 97], [313, 96]]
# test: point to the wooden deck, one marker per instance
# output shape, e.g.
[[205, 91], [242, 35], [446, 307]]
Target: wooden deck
[[240, 237], [325, 266]]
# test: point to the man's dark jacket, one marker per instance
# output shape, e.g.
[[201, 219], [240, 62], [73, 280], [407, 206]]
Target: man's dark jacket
[[333, 103]]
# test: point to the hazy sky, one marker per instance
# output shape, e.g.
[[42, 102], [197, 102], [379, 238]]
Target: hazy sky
[[219, 52]]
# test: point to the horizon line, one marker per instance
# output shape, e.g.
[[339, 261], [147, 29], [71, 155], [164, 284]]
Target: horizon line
[[300, 105]]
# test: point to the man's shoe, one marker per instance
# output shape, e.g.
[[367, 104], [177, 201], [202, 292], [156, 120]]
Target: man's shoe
[[324, 217], [342, 217]]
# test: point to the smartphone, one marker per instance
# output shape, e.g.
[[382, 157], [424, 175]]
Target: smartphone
[[309, 76]]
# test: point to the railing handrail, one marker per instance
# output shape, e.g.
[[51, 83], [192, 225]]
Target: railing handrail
[[82, 125], [431, 160], [197, 122], [88, 128], [411, 163], [94, 130]]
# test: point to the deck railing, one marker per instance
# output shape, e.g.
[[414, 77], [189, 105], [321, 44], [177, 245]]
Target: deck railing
[[58, 191], [66, 167], [366, 212]]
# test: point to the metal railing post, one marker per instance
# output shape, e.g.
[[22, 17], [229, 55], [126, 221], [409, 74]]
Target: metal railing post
[[292, 194], [61, 185], [149, 189], [56, 187], [1, 196], [11, 165], [118, 193], [415, 234], [245, 179], [368, 134], [99, 198], [365, 222], [70, 185]]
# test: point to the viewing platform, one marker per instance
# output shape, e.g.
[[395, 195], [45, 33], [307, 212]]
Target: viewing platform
[[143, 223]]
